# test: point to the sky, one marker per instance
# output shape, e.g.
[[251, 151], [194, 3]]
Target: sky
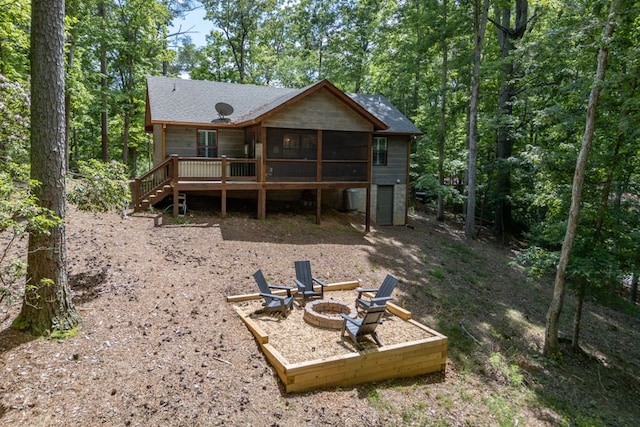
[[195, 23]]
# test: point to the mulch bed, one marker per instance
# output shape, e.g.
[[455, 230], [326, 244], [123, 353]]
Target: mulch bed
[[298, 341]]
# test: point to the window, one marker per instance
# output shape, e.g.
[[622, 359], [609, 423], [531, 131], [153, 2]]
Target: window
[[298, 144], [207, 143], [291, 146], [379, 150]]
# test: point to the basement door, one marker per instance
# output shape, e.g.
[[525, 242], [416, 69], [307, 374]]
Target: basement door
[[384, 209]]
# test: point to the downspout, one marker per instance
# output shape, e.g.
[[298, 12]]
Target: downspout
[[407, 186], [367, 215], [164, 142]]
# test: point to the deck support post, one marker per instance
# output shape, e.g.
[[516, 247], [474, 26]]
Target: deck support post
[[223, 203], [223, 195], [262, 203], [318, 205], [367, 215], [176, 206]]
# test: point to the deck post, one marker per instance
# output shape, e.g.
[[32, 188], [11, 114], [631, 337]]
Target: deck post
[[174, 183], [318, 205], [176, 207], [223, 194], [367, 215], [135, 197], [223, 203], [262, 203], [223, 174], [174, 168]]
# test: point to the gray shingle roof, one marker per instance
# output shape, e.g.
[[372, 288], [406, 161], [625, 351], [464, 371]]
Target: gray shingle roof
[[386, 112], [193, 101]]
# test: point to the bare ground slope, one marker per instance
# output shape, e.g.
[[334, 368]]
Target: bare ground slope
[[160, 346]]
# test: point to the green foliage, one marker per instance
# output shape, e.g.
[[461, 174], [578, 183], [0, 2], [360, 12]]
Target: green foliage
[[14, 128], [103, 187], [20, 213], [510, 372], [14, 39]]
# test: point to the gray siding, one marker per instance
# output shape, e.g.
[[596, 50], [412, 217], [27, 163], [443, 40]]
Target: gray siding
[[231, 143], [395, 172], [157, 144], [181, 140]]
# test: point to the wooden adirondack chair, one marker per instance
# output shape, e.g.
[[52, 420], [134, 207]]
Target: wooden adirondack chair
[[305, 281], [359, 327], [382, 294], [272, 302]]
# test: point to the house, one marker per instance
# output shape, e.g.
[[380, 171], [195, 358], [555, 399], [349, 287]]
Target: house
[[266, 143]]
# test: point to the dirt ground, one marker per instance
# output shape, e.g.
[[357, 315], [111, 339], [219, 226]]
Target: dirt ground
[[159, 344]]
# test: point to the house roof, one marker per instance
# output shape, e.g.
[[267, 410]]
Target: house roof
[[190, 102], [385, 111]]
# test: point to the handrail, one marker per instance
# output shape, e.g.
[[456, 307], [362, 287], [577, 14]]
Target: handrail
[[176, 168], [155, 179]]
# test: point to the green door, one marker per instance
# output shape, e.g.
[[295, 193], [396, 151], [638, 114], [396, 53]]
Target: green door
[[384, 209]]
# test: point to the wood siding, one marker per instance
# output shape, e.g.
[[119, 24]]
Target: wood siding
[[231, 143], [395, 172], [181, 140], [321, 110]]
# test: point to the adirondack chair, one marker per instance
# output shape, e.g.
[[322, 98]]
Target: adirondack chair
[[382, 294], [359, 327], [305, 281], [273, 303]]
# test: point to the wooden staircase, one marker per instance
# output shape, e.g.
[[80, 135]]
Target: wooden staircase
[[155, 185], [155, 197]]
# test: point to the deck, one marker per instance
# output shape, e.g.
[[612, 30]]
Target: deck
[[196, 174]]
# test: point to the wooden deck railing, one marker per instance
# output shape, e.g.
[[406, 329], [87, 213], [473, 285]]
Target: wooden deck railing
[[153, 180], [175, 169], [216, 169]]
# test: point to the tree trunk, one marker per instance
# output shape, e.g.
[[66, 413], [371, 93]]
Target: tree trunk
[[633, 292], [480, 26], [504, 140], [104, 115], [575, 338], [47, 303], [551, 344], [125, 136], [442, 129]]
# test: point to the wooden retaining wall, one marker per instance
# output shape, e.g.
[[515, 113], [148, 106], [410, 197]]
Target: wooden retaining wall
[[376, 364]]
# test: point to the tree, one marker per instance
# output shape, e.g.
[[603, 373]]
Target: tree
[[238, 21], [480, 25], [14, 39], [507, 35], [136, 50], [551, 343], [47, 304], [442, 127], [19, 211]]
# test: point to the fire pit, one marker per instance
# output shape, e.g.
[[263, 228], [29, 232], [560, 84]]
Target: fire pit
[[326, 314]]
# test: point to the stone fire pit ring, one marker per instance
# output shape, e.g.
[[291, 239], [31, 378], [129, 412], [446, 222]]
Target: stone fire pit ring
[[326, 313]]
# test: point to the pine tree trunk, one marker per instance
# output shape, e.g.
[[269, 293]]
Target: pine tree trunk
[[47, 304]]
